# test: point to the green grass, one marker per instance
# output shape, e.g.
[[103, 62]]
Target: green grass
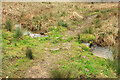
[[14, 56], [81, 61], [77, 61]]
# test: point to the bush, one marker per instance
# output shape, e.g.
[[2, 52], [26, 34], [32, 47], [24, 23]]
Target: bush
[[18, 33], [8, 25], [61, 23], [29, 53]]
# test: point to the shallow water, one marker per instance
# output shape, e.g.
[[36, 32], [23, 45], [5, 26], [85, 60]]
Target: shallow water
[[104, 52], [34, 35]]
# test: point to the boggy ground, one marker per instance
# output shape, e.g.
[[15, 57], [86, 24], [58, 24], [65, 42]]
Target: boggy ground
[[61, 52]]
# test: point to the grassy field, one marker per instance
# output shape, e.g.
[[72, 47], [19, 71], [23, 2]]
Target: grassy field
[[60, 54]]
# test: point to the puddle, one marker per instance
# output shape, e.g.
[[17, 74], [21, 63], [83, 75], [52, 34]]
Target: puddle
[[104, 52]]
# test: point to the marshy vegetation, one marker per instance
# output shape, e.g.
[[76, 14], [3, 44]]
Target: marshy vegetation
[[61, 52]]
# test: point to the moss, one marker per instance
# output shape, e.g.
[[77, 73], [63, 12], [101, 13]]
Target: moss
[[87, 37], [84, 47]]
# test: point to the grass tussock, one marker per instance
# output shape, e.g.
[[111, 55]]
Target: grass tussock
[[18, 33], [58, 74], [89, 30], [29, 53], [8, 25], [61, 23]]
